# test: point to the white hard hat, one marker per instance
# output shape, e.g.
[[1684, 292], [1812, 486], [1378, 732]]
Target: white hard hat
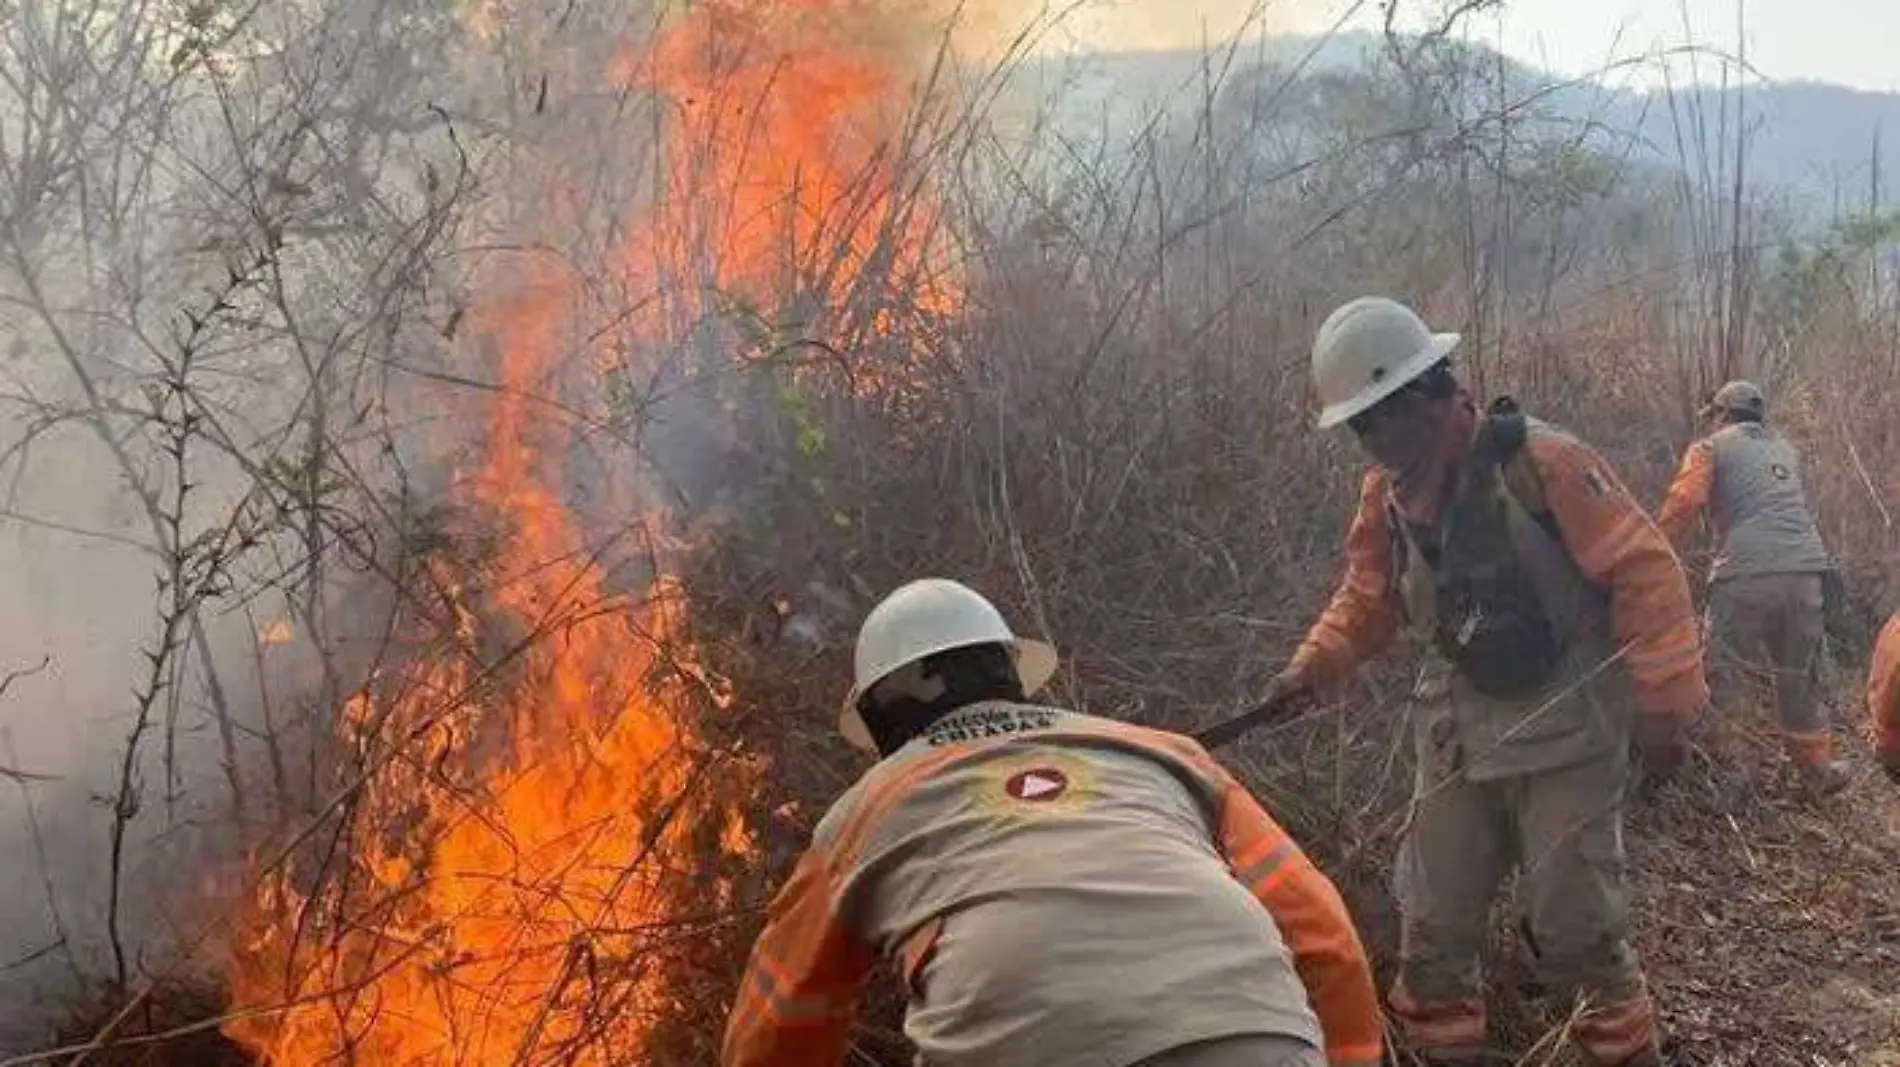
[[921, 619], [1367, 350]]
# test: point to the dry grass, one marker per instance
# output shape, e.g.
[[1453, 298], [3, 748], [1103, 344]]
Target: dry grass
[[1111, 438], [1162, 510], [1769, 920], [175, 1027]]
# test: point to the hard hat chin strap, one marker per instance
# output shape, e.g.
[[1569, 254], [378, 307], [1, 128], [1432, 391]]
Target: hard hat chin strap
[[909, 700]]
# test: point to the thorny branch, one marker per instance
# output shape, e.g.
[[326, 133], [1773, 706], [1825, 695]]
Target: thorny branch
[[18, 673], [1139, 497], [195, 571]]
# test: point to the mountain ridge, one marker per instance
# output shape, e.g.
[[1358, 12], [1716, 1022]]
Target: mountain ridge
[[1816, 141]]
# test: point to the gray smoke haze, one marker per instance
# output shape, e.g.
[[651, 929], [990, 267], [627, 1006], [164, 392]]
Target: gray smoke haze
[[153, 184], [83, 598], [86, 607]]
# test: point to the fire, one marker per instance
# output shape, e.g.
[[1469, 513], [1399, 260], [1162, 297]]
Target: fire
[[509, 879], [796, 159], [529, 836]]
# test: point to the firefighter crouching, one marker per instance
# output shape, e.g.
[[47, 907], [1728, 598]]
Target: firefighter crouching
[[1052, 888], [1883, 697], [1553, 604], [1766, 607]]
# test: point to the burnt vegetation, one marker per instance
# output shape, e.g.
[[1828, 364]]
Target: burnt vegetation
[[377, 365]]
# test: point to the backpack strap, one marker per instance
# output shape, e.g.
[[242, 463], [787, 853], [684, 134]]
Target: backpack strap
[[1501, 438]]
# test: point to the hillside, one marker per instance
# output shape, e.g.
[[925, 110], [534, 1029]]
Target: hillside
[[1813, 141], [450, 451]]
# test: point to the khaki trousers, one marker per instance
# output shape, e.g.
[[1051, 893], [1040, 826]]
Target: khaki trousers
[[1765, 634], [1562, 830], [1252, 1050]]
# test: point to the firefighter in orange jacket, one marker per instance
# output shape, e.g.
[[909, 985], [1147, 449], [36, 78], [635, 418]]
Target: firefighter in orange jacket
[[1766, 609], [1551, 604], [1883, 697], [1052, 888]]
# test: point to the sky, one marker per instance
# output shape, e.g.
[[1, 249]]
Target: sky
[[1856, 43]]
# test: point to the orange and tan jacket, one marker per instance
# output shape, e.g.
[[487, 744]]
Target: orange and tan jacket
[[1748, 478], [1883, 693], [1609, 537], [1054, 888], [1689, 492]]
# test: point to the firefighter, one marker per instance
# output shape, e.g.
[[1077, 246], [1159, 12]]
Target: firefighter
[[1766, 610], [1883, 698], [1552, 604], [1051, 888]]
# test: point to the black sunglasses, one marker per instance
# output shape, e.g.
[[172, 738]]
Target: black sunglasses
[[1435, 384], [1368, 420]]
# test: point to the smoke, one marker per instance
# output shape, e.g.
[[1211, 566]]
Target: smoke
[[1144, 25], [85, 606], [82, 594]]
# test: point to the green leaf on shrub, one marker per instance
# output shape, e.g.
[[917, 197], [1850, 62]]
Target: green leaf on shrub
[[811, 438]]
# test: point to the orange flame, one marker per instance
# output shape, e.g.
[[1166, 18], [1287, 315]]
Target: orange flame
[[795, 162], [522, 841], [502, 910]]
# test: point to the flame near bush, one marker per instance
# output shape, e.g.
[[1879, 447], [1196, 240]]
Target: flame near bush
[[503, 887], [526, 838]]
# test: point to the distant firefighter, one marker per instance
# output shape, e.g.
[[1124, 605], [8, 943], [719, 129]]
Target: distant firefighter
[[1052, 888], [1547, 595], [1766, 607], [1883, 697]]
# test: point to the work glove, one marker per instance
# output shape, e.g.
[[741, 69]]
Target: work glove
[[1662, 743], [1285, 694], [1290, 687]]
